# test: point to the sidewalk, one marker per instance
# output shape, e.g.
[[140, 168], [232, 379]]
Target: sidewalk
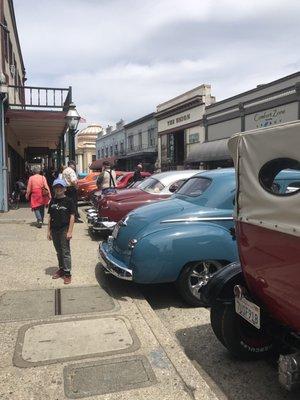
[[97, 337]]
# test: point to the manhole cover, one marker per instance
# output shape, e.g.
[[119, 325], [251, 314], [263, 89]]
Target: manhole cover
[[107, 376], [78, 300], [51, 342], [29, 304]]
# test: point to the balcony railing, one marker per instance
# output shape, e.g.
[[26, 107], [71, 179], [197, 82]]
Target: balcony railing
[[141, 148], [34, 97]]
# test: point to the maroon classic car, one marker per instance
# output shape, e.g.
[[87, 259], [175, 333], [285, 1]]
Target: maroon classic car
[[113, 207]]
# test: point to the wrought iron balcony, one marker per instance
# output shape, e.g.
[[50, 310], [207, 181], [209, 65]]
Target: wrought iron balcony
[[42, 98]]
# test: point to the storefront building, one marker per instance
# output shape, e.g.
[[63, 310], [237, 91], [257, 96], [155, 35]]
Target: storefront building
[[86, 147], [180, 126], [110, 146], [269, 104], [32, 119], [141, 144]]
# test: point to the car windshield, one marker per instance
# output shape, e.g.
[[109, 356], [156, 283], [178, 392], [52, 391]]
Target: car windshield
[[194, 187], [120, 178], [151, 185]]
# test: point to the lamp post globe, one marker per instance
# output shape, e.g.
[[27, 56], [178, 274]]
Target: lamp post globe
[[72, 119]]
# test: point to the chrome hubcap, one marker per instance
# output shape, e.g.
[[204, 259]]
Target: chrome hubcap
[[200, 275]]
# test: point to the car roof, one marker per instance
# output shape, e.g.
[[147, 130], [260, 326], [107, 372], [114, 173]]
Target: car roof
[[169, 177], [219, 172]]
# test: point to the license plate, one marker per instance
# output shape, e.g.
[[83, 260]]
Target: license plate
[[115, 231], [248, 310]]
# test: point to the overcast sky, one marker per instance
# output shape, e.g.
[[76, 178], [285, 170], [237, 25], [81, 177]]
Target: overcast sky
[[123, 57]]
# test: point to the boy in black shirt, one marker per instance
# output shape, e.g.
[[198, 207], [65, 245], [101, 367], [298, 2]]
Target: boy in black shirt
[[60, 227]]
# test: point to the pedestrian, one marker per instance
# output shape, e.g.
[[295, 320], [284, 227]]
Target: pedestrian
[[38, 194], [106, 181], [70, 176], [60, 228], [137, 176]]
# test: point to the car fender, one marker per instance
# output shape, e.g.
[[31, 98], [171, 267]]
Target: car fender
[[160, 256], [220, 286]]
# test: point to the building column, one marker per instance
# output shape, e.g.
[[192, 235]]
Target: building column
[[3, 159]]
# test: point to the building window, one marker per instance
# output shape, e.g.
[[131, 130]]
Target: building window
[[5, 36], [116, 149], [94, 157], [102, 152], [10, 55], [111, 150], [194, 137], [122, 147], [106, 152], [130, 142], [140, 140], [151, 141], [98, 154]]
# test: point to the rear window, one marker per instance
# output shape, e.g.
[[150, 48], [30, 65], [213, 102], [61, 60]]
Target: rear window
[[151, 185], [194, 186]]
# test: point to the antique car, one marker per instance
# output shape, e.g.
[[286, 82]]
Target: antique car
[[127, 179], [184, 239], [113, 207], [255, 305], [89, 185]]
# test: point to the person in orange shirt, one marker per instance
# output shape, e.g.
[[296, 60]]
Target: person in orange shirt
[[38, 194]]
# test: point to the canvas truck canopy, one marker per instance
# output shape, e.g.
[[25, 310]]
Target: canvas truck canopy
[[259, 156]]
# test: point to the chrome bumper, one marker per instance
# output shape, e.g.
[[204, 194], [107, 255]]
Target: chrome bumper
[[112, 265]]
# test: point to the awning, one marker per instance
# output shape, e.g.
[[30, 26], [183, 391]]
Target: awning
[[36, 128], [209, 151]]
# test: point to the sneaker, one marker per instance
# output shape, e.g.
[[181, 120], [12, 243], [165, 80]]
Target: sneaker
[[67, 279], [58, 274], [39, 224]]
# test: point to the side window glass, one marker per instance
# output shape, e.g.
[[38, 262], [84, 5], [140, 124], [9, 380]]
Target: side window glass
[[275, 172], [176, 185]]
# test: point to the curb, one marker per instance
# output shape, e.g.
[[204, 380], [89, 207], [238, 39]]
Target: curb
[[195, 384]]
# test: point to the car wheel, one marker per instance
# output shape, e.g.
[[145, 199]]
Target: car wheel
[[242, 339], [192, 279]]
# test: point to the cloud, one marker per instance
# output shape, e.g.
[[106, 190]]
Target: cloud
[[125, 57]]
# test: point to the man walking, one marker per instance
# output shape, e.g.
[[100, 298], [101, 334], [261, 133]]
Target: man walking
[[70, 176], [106, 181]]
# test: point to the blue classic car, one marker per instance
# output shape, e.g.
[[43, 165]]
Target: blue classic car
[[184, 239]]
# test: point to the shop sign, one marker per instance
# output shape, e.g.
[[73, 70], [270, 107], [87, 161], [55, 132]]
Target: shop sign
[[273, 116], [178, 120]]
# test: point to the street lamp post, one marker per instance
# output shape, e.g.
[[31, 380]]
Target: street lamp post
[[73, 119]]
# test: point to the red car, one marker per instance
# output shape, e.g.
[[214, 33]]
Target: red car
[[89, 186], [125, 180], [255, 305], [113, 207]]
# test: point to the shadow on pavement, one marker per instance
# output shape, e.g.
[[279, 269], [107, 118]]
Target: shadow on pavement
[[50, 270], [161, 296], [236, 379]]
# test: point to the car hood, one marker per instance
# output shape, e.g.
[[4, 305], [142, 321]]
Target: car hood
[[158, 216]]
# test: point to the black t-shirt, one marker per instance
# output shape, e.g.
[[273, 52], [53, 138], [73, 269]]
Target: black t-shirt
[[60, 211]]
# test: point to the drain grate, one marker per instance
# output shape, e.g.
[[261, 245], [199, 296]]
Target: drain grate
[[39, 304], [107, 376]]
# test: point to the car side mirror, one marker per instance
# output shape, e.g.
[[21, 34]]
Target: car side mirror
[[173, 188]]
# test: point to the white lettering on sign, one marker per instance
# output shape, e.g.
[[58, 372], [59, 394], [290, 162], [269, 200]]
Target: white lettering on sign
[[178, 119]]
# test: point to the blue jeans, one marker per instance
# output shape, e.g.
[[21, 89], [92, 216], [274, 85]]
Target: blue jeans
[[39, 213]]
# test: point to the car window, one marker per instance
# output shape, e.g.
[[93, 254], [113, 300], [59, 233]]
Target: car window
[[120, 178], [194, 186], [275, 170], [151, 185], [176, 185]]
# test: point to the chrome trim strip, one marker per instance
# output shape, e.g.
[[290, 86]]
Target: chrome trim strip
[[113, 267], [196, 219]]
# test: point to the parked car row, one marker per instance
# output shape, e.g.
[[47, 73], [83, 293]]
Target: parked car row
[[246, 267]]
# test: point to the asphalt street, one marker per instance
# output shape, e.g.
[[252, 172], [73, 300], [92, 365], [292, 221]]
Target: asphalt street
[[233, 379]]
